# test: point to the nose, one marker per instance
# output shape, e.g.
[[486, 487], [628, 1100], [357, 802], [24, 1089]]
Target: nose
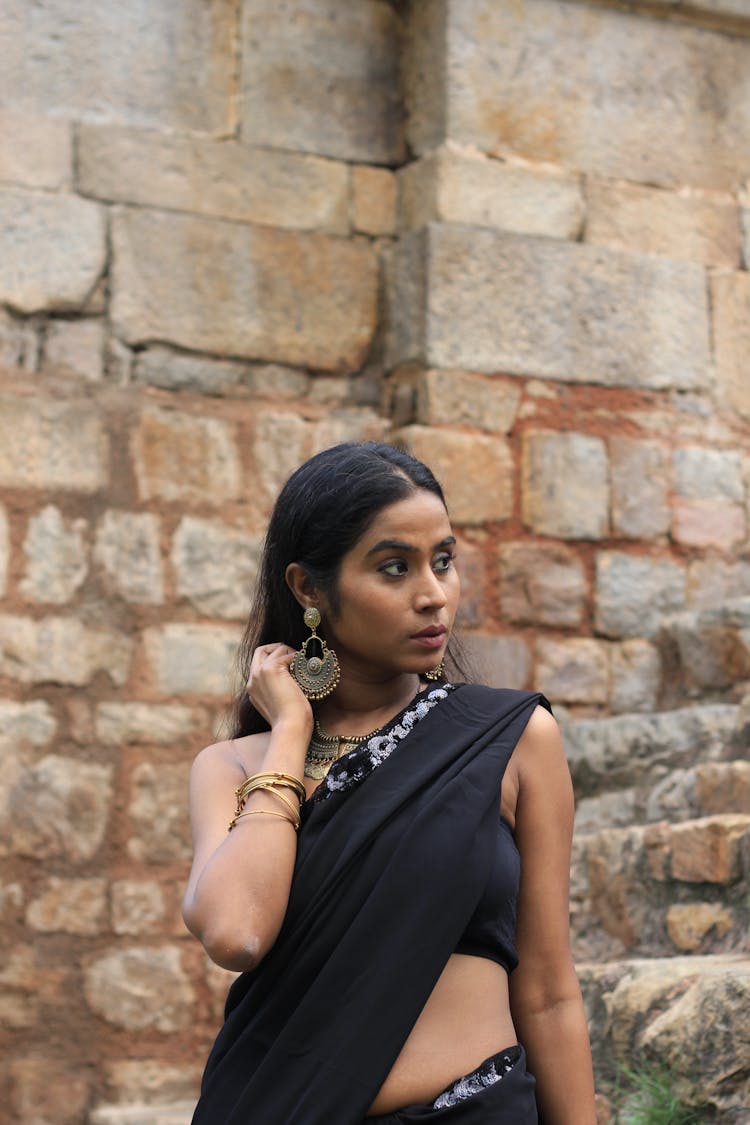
[[431, 593]]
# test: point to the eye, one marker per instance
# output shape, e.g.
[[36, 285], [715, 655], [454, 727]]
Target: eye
[[394, 568], [443, 562]]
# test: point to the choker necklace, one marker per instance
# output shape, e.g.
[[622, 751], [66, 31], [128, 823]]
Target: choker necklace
[[325, 748]]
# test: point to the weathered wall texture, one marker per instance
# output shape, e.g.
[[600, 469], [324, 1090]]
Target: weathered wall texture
[[514, 236]]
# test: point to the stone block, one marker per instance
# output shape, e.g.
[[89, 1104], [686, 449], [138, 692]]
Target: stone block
[[635, 593], [161, 367], [137, 907], [280, 442], [128, 553], [344, 423], [61, 650], [565, 484], [324, 79], [373, 206], [215, 566], [574, 670], [56, 445], [71, 906], [56, 551], [46, 1091], [709, 506], [35, 151], [460, 460], [664, 104], [499, 660], [713, 581], [460, 398], [636, 676], [542, 584], [165, 68], [185, 458], [52, 250], [730, 294], [482, 300], [139, 988], [151, 1081], [222, 178], [150, 723], [471, 563], [723, 787], [640, 488], [56, 808], [240, 291], [33, 723], [158, 813], [709, 850], [454, 186], [712, 646], [651, 221], [196, 659], [75, 347], [708, 523]]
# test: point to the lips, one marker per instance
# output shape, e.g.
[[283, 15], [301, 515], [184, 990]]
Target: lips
[[432, 637]]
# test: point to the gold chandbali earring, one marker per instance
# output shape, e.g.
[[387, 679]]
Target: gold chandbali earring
[[317, 674], [436, 673]]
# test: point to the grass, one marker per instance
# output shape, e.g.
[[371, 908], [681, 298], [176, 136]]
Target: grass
[[649, 1099]]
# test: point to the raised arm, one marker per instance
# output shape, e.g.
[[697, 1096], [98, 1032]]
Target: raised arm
[[545, 995], [239, 883]]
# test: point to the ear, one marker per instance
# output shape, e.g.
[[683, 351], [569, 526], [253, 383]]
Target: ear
[[301, 585]]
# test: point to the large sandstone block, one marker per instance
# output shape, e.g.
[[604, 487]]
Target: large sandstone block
[[321, 77], [52, 250], [35, 151], [452, 186], [731, 317], [208, 177], [482, 300], [256, 293], [565, 484], [48, 444], [165, 66], [596, 90]]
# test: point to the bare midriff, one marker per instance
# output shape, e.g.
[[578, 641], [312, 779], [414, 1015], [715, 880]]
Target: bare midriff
[[465, 1020]]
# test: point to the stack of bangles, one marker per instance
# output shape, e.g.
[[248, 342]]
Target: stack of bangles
[[272, 783]]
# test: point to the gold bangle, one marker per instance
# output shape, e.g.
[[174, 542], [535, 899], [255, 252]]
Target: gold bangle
[[272, 777], [261, 812], [274, 793]]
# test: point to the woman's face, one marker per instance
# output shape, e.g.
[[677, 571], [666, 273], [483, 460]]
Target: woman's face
[[398, 592]]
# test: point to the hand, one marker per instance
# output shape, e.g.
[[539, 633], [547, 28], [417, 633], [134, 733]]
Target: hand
[[273, 691]]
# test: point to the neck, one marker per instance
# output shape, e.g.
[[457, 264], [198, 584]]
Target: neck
[[357, 706]]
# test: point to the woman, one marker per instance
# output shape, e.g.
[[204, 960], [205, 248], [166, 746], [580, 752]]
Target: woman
[[391, 966]]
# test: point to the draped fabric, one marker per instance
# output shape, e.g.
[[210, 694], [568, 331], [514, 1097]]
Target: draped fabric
[[394, 852]]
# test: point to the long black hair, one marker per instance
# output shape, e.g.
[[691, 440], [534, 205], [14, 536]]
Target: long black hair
[[322, 511]]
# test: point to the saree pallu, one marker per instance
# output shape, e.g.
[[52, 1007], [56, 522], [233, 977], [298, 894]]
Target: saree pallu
[[394, 852]]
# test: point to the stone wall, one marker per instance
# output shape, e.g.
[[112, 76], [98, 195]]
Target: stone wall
[[514, 237]]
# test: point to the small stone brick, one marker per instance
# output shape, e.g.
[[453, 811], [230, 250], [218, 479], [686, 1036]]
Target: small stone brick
[[688, 925], [460, 461], [61, 650], [731, 315], [708, 523], [574, 670], [127, 551], [182, 457], [708, 474], [541, 584], [75, 347], [565, 485], [708, 850], [151, 1081], [191, 658], [634, 217], [56, 445], [56, 552], [161, 367], [158, 813], [499, 660], [139, 988], [137, 907], [471, 565], [71, 906], [216, 566], [713, 645], [125, 723], [712, 582], [723, 787], [52, 250], [222, 178], [634, 593], [373, 200], [460, 398], [4, 552], [45, 1091], [32, 723], [636, 676], [35, 152], [640, 484]]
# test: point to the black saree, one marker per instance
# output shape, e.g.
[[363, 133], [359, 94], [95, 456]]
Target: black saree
[[393, 855]]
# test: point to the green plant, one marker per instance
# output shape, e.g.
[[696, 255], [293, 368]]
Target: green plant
[[649, 1099]]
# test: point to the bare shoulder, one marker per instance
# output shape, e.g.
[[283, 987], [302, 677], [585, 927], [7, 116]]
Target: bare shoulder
[[541, 739], [232, 755]]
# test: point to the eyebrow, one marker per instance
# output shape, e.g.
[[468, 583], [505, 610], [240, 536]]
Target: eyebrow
[[397, 545]]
